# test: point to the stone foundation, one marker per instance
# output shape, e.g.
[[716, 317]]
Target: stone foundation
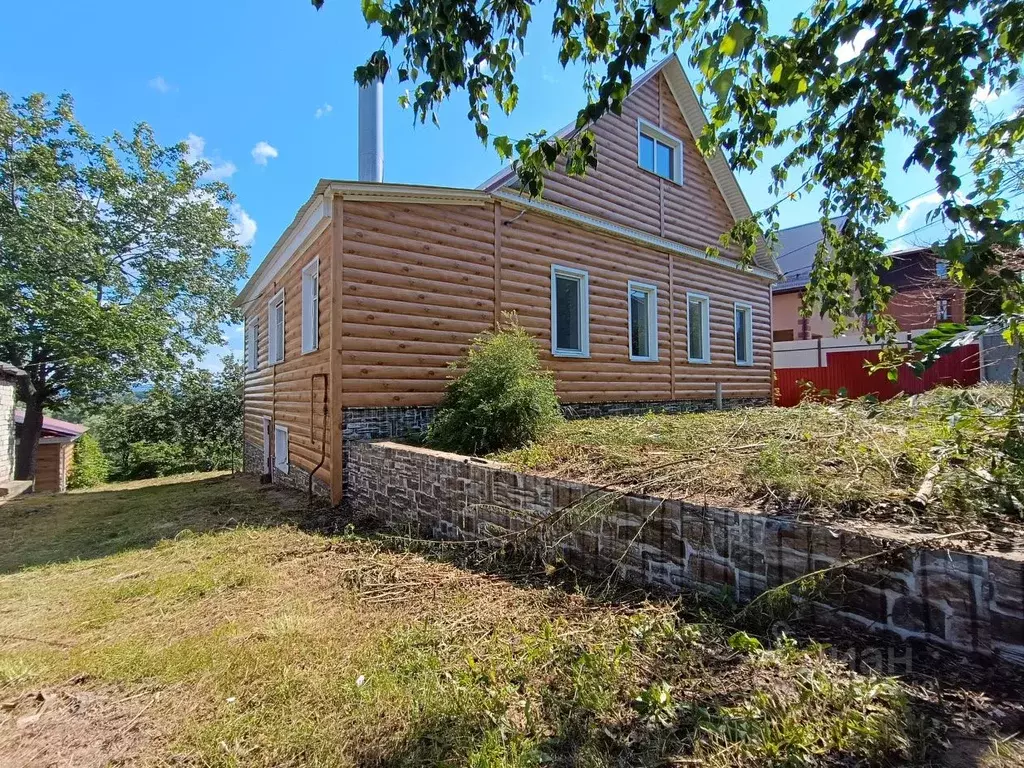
[[399, 421], [971, 603], [296, 477]]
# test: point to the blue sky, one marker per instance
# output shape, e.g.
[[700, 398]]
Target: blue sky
[[264, 90]]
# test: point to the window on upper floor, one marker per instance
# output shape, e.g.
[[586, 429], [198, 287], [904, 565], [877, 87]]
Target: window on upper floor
[[698, 332], [570, 312], [311, 306], [252, 339], [659, 152], [275, 328], [943, 310], [743, 327], [942, 268], [643, 322]]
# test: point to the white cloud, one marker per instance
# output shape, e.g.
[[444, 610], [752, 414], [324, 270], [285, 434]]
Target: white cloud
[[263, 152], [851, 50], [917, 212], [326, 109], [243, 224], [219, 170], [158, 83]]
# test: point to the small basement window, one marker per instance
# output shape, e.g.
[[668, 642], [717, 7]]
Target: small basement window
[[744, 333], [643, 322], [698, 334], [281, 448], [311, 306], [275, 316], [570, 312], [659, 152], [252, 338]]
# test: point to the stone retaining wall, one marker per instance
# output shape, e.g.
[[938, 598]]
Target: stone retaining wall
[[971, 603], [398, 421]]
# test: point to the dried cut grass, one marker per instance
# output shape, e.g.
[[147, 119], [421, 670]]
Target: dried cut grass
[[242, 640], [833, 459]]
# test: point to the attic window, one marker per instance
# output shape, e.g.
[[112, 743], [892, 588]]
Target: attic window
[[659, 152]]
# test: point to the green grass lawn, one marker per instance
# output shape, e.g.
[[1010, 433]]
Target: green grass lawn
[[850, 459], [193, 622]]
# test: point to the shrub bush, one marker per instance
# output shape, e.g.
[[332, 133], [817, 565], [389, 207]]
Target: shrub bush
[[147, 460], [89, 467], [502, 398]]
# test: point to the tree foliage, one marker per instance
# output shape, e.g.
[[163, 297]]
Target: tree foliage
[[766, 88], [500, 398], [118, 259], [89, 467], [192, 422]]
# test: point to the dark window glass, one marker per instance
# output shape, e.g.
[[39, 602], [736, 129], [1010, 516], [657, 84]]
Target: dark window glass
[[646, 152], [567, 313], [664, 160], [639, 321], [742, 336], [695, 328]]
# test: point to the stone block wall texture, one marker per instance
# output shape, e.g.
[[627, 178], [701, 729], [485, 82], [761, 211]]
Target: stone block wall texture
[[397, 421], [971, 603], [6, 429]]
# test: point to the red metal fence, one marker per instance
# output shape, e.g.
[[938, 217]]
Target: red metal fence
[[845, 370]]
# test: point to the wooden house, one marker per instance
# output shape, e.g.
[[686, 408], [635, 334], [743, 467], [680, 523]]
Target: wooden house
[[353, 316]]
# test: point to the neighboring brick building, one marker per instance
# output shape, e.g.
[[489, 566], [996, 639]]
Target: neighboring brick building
[[924, 295]]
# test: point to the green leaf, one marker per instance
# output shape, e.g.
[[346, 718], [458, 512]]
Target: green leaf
[[722, 84]]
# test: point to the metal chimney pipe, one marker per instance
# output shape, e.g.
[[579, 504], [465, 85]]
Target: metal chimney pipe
[[371, 132]]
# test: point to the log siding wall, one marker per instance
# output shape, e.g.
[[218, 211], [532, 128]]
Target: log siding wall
[[416, 281], [693, 213], [283, 392]]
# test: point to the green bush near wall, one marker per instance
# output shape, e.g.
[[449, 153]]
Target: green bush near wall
[[89, 467], [501, 397]]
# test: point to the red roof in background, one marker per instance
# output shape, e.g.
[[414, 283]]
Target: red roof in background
[[54, 427]]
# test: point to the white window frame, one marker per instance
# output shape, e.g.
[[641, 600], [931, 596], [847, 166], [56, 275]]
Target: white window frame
[[736, 307], [583, 277], [652, 320], [706, 317], [311, 306], [280, 464], [650, 130], [252, 340], [938, 310], [275, 346]]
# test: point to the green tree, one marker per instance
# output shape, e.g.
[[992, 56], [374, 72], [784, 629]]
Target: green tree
[[768, 88], [89, 466], [189, 422], [118, 259]]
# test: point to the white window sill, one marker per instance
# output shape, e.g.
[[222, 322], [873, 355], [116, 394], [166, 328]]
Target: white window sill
[[745, 365], [566, 353], [642, 359], [698, 361], [657, 175], [310, 351]]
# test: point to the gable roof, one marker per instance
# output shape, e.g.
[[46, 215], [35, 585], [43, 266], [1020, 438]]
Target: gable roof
[[795, 253], [693, 114], [54, 427]]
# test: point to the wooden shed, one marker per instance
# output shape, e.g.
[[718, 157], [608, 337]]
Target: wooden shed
[[56, 452], [354, 314]]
